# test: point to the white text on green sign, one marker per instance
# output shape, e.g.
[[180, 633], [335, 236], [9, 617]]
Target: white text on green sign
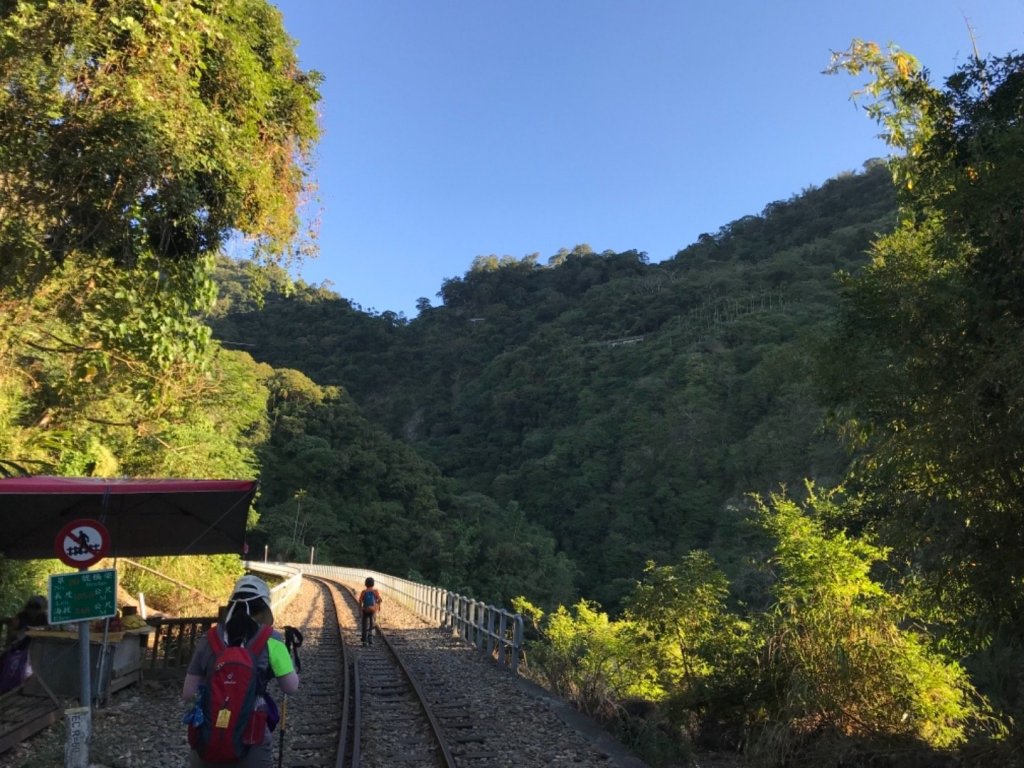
[[83, 596]]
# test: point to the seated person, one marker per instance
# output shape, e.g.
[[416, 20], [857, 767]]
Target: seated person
[[15, 663], [34, 614]]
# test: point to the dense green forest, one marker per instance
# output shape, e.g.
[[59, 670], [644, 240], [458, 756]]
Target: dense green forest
[[765, 496], [625, 408]]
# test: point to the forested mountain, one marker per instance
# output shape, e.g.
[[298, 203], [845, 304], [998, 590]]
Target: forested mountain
[[334, 481], [627, 408]]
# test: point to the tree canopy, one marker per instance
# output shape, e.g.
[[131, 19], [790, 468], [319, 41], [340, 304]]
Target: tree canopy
[[137, 136], [926, 374]]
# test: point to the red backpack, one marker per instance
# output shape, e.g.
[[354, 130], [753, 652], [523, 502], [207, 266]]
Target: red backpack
[[234, 714]]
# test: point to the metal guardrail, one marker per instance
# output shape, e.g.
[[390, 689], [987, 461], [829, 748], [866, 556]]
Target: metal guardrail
[[493, 631], [280, 594], [169, 648]]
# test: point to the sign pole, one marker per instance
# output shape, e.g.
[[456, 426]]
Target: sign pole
[[79, 544], [84, 671], [85, 697]]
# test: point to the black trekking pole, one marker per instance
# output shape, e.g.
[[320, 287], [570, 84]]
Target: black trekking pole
[[292, 641], [284, 725]]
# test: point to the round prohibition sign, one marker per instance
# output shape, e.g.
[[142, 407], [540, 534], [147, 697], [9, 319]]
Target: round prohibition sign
[[82, 542]]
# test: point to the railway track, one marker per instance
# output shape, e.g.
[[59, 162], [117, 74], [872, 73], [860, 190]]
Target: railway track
[[388, 702], [357, 699], [399, 709], [311, 735], [356, 708]]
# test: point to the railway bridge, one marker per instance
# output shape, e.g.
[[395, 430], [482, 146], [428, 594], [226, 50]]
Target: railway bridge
[[441, 687]]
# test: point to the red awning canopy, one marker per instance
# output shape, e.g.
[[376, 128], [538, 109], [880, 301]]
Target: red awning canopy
[[144, 517]]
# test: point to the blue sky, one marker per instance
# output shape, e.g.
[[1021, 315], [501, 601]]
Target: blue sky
[[458, 128]]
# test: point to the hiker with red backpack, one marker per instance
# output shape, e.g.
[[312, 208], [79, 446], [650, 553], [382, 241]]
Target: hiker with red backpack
[[369, 604], [232, 714]]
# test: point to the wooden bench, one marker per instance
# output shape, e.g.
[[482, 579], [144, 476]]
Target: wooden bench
[[27, 710]]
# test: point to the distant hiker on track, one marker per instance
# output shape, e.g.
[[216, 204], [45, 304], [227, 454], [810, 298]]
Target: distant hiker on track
[[369, 604], [243, 652]]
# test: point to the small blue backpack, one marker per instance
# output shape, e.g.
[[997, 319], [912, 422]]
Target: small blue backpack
[[369, 601]]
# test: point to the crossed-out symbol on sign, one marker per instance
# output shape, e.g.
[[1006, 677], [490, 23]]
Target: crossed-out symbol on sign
[[84, 547], [81, 543]]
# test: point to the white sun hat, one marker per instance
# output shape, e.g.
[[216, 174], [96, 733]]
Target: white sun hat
[[250, 587], [247, 589]]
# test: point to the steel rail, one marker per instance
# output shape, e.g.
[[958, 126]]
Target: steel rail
[[442, 742], [421, 698], [350, 682], [348, 667], [357, 720]]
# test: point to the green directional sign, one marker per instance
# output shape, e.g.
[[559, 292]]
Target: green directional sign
[[83, 596]]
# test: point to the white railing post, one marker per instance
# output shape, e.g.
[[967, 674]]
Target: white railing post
[[517, 643], [467, 619], [492, 640], [481, 636], [503, 638]]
